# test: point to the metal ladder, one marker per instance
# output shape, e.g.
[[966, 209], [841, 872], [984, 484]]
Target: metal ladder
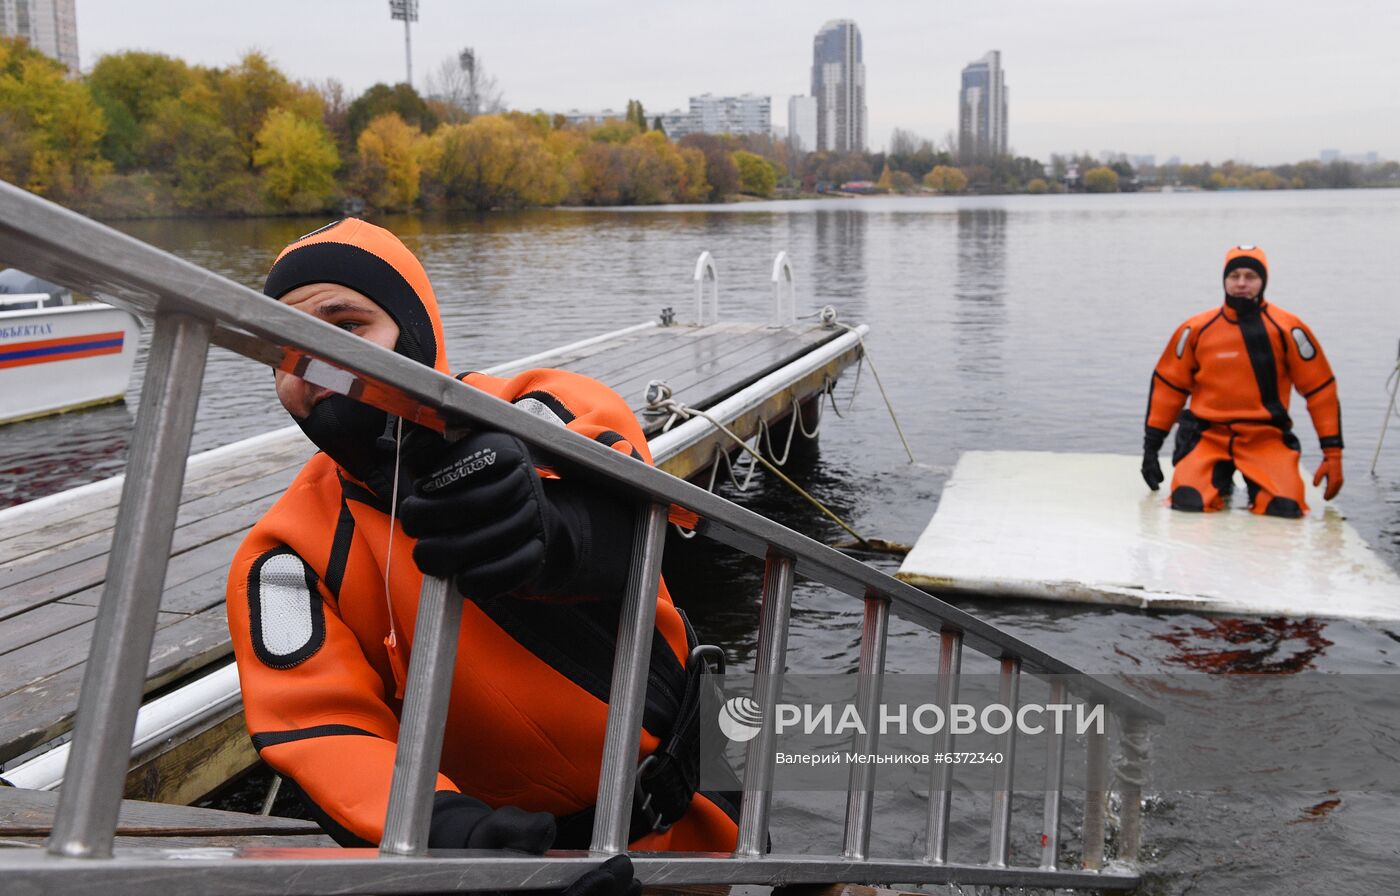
[[193, 308]]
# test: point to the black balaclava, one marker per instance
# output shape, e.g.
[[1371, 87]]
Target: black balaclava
[[372, 261]]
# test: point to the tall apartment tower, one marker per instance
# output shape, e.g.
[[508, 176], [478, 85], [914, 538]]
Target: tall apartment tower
[[838, 83], [50, 26], [982, 109]]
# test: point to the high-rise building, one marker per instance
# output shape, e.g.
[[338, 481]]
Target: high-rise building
[[802, 123], [982, 109], [50, 26], [838, 83]]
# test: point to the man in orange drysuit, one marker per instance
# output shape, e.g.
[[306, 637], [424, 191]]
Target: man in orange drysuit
[[1238, 365], [322, 620]]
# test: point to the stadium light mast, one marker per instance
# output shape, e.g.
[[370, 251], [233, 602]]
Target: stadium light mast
[[405, 11], [468, 60]]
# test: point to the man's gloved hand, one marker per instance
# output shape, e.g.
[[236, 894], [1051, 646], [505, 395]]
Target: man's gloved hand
[[480, 515], [1151, 444], [612, 878], [463, 822], [1331, 470]]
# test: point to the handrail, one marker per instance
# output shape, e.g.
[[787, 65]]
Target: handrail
[[705, 272], [784, 292], [193, 306]]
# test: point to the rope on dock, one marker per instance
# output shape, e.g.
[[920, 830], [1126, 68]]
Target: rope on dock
[[1392, 381], [829, 319], [685, 412]]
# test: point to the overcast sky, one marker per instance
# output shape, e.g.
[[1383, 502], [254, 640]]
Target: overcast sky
[[1264, 82]]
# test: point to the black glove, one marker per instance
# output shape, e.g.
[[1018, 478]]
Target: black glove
[[612, 878], [1151, 444], [482, 514], [463, 822]]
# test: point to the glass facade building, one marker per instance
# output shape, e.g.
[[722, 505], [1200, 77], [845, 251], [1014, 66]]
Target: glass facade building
[[982, 109], [838, 83]]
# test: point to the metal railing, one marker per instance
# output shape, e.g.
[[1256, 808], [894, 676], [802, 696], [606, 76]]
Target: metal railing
[[193, 307]]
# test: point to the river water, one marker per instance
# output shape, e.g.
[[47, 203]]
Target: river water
[[997, 323]]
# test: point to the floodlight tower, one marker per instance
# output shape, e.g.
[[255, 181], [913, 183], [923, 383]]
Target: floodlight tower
[[468, 60], [405, 11]]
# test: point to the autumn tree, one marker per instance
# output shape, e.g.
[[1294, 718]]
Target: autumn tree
[[390, 154], [187, 139], [886, 181], [720, 171], [491, 162], [129, 87], [50, 128], [945, 179], [249, 91], [297, 159], [381, 99], [756, 175], [1102, 179]]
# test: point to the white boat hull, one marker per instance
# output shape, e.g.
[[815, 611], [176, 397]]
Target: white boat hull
[[58, 359]]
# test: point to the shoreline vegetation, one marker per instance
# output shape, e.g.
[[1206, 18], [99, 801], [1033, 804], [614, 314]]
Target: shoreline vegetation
[[144, 135]]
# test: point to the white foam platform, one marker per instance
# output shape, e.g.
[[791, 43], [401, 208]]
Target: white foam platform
[[1084, 528]]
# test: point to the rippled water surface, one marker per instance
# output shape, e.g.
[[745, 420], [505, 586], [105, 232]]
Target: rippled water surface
[[1017, 323]]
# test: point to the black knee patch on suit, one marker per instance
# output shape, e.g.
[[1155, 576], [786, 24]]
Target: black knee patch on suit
[[1184, 497], [1284, 507], [1222, 476]]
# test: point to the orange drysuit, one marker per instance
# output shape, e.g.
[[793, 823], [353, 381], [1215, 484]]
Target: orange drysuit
[[322, 621], [1239, 370]]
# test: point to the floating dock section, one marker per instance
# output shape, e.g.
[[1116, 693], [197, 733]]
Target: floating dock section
[[1082, 528], [53, 551]]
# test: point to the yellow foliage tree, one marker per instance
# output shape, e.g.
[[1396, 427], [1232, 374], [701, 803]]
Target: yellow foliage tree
[[390, 162], [886, 181], [298, 159], [1102, 179], [50, 129], [756, 174], [491, 162], [248, 92], [945, 179]]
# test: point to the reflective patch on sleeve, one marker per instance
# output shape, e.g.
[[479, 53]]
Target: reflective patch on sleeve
[[1306, 350], [1181, 343], [288, 618], [544, 411]]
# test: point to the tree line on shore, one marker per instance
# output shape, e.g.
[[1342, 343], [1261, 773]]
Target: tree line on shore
[[147, 134]]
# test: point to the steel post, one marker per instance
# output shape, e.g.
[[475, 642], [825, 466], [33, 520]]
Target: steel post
[[1054, 785], [1095, 799], [113, 680], [1131, 773], [860, 793], [426, 696], [1009, 696], [941, 773], [631, 664], [768, 690]]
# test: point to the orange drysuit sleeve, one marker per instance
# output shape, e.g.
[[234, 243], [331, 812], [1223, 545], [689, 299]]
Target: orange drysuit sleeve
[[1173, 378], [1312, 376]]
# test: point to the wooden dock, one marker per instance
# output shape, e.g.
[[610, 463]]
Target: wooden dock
[[53, 551]]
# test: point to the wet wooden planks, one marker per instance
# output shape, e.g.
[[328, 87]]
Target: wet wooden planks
[[53, 553], [26, 817]]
